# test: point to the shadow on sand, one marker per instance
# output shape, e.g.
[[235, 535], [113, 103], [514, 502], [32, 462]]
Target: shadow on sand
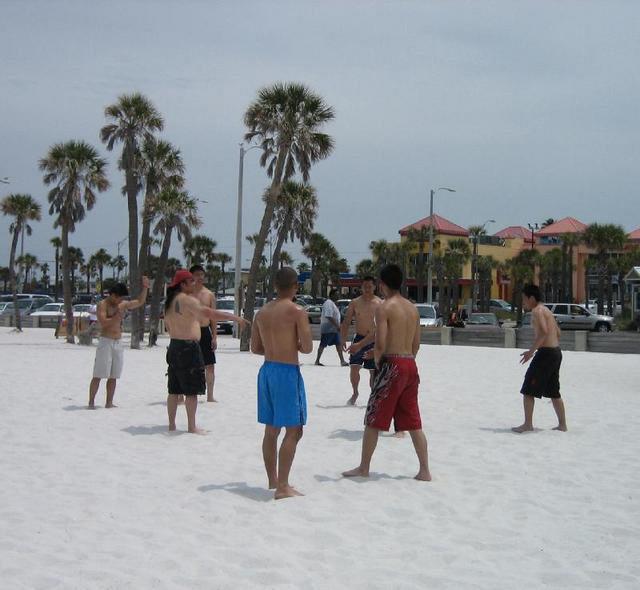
[[158, 404], [240, 488], [373, 476], [353, 435], [74, 408], [339, 407], [158, 429], [506, 430]]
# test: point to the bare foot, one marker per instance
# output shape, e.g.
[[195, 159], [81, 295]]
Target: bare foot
[[198, 431], [91, 407], [357, 472], [286, 492], [172, 427], [212, 399], [423, 475], [110, 406], [352, 400], [561, 427], [522, 428], [344, 364], [400, 434], [273, 485]]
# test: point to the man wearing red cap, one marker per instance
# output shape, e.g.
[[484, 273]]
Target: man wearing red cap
[[183, 315]]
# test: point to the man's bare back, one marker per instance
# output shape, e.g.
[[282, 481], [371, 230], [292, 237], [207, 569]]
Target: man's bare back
[[280, 331], [183, 318]]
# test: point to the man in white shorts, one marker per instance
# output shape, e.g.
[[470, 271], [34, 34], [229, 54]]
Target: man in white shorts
[[108, 363]]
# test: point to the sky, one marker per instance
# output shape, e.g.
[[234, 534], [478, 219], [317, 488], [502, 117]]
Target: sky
[[528, 109]]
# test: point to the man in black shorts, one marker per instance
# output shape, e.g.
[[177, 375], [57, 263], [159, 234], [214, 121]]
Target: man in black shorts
[[543, 375]]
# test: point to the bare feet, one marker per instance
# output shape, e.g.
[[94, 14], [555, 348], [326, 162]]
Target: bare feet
[[212, 399], [286, 492], [198, 431], [423, 475], [319, 364], [522, 428], [172, 427], [561, 427], [400, 434], [273, 485], [357, 472], [110, 406], [352, 400]]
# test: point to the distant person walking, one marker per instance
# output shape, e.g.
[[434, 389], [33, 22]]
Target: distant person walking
[[280, 331], [395, 389], [542, 378], [109, 354], [330, 328]]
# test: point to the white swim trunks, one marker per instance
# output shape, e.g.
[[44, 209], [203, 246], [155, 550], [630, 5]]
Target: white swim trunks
[[109, 359]]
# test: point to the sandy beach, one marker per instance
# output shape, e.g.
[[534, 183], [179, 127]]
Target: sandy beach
[[108, 499]]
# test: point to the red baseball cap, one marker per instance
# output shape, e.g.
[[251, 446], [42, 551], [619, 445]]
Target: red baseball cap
[[181, 275]]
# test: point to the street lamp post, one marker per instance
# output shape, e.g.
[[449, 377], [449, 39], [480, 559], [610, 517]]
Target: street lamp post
[[533, 227], [474, 272], [430, 265], [238, 269]]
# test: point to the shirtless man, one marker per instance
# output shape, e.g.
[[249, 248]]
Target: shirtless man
[[208, 329], [183, 316], [279, 332], [109, 354], [364, 308], [543, 375], [395, 389]]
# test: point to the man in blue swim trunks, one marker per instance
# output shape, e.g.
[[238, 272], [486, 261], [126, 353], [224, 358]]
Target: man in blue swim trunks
[[280, 331], [364, 309], [330, 328]]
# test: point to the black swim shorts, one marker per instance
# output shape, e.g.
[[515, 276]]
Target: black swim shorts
[[186, 368], [543, 375], [206, 340]]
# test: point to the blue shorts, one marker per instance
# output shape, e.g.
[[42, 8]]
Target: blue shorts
[[358, 357], [282, 400], [329, 339]]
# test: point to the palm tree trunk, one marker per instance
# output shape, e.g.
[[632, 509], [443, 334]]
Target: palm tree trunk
[[12, 275], [570, 276], [57, 265], [88, 280], [420, 273], [158, 287], [143, 258], [275, 260], [601, 273], [66, 284], [134, 282], [261, 238]]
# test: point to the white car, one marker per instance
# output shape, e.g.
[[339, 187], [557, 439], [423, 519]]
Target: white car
[[429, 315], [50, 310]]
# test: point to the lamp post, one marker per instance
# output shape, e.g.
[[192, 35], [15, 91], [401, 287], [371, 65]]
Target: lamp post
[[238, 270], [430, 265], [533, 227], [474, 272]]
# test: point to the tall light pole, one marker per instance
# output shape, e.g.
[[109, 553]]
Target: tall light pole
[[238, 270], [533, 227], [430, 265], [474, 272]]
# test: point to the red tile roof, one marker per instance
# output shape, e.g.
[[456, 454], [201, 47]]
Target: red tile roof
[[568, 225], [635, 235], [515, 231], [440, 226]]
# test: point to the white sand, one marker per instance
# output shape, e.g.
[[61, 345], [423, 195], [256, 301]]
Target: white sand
[[107, 499]]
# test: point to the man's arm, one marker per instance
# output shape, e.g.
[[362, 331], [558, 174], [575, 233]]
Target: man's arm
[[215, 315], [106, 322], [257, 346], [214, 325], [142, 298], [344, 327], [541, 330], [381, 334], [416, 338], [305, 342]]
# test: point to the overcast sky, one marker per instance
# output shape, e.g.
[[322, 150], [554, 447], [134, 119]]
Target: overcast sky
[[529, 109]]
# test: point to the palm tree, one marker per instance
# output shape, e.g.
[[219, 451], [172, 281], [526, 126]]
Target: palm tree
[[176, 211], [314, 250], [76, 172], [76, 260], [131, 120], [285, 119], [101, 258], [5, 277], [223, 258], [44, 269], [485, 265], [551, 274], [365, 267], [547, 222], [199, 249], [569, 242], [119, 263], [23, 208], [294, 217], [420, 237], [286, 259], [521, 270], [57, 244], [89, 269], [604, 239], [456, 255], [27, 262], [303, 267]]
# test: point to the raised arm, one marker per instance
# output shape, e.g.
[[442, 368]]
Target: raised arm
[[142, 298], [381, 334], [220, 316], [305, 341]]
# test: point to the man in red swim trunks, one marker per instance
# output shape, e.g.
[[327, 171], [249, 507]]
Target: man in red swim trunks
[[394, 395]]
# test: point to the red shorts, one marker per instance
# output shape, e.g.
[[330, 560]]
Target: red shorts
[[395, 395]]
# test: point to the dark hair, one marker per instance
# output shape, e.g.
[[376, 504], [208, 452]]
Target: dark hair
[[368, 278], [391, 276], [333, 294], [171, 295], [531, 290], [196, 268], [119, 290], [285, 278]]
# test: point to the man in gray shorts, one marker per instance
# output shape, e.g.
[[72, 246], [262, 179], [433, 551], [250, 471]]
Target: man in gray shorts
[[108, 362]]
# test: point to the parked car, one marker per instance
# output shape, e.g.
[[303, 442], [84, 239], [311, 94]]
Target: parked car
[[26, 307], [496, 305], [37, 299], [571, 316], [429, 315], [50, 310], [84, 298], [226, 304], [82, 309], [304, 300], [314, 312], [3, 305], [342, 307], [483, 320]]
